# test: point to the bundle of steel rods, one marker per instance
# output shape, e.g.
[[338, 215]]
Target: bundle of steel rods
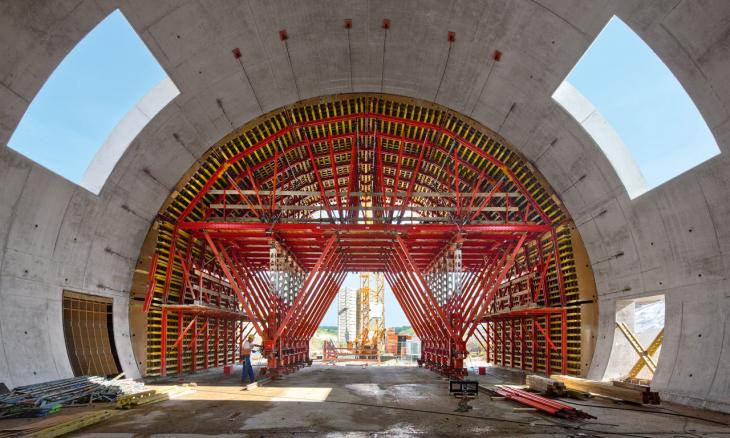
[[538, 402], [43, 398]]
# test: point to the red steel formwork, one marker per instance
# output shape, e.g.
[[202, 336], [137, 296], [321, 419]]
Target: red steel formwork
[[266, 229]]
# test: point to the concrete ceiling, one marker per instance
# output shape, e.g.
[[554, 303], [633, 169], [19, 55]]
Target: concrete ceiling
[[675, 239]]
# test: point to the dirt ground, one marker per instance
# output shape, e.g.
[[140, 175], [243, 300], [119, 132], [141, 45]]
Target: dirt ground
[[353, 401]]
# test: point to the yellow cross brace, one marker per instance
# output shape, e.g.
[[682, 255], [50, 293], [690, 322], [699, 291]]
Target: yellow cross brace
[[644, 354]]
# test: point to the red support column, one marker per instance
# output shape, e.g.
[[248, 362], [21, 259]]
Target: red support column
[[217, 343], [194, 346], [225, 343], [180, 323], [163, 343], [548, 350], [206, 342], [564, 341]]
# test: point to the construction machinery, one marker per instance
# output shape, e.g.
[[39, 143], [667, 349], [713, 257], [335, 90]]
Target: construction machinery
[[371, 336]]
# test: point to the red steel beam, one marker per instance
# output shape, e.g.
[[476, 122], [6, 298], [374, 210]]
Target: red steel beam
[[419, 229]]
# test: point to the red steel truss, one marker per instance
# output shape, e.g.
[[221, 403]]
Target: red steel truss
[[266, 234]]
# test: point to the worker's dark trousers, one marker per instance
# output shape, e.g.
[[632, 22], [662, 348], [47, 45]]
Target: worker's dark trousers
[[247, 369]]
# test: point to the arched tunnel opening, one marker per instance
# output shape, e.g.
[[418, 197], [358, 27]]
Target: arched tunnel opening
[[539, 186], [260, 233]]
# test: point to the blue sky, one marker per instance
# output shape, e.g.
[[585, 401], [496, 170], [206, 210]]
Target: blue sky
[[111, 69], [644, 102], [394, 316], [85, 97]]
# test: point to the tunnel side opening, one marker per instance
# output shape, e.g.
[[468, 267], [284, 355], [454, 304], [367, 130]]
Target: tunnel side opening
[[637, 340]]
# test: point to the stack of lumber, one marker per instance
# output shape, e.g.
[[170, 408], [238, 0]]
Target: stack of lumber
[[627, 392], [71, 420], [652, 396], [45, 398], [56, 425], [153, 396], [546, 386]]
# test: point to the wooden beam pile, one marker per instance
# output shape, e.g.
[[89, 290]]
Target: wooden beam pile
[[545, 385], [639, 394]]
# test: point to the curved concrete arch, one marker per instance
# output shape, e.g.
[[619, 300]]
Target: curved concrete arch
[[125, 132], [601, 131], [54, 235]]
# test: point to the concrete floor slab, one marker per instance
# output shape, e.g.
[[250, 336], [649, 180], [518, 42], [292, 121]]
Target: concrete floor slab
[[354, 401]]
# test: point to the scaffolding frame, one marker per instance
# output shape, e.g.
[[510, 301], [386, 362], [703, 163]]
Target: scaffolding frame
[[277, 213]]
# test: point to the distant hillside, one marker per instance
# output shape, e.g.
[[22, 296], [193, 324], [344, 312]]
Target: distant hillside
[[327, 330], [323, 333], [404, 330]]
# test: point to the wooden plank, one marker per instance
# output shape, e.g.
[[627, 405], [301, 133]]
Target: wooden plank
[[629, 385], [73, 424], [545, 385], [607, 389]]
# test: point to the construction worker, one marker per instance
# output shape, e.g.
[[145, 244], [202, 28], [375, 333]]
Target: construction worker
[[246, 350]]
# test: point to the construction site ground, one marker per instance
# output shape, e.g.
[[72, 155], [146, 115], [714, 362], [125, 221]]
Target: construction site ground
[[354, 400]]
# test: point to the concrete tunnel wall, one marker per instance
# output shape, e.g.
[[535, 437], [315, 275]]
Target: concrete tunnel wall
[[675, 239]]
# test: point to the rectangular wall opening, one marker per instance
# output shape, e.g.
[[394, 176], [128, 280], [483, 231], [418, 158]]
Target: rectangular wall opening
[[637, 341], [89, 332]]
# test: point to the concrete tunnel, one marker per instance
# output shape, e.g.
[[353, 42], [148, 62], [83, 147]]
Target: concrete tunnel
[[344, 139]]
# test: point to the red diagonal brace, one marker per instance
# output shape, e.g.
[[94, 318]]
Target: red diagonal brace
[[334, 258], [486, 284], [486, 201], [185, 332], [330, 243], [396, 184], [186, 275], [315, 291], [541, 284], [468, 305], [425, 289], [545, 334], [243, 197], [258, 309], [263, 296], [198, 333], [234, 285], [492, 289], [417, 298], [415, 318], [151, 284], [308, 329]]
